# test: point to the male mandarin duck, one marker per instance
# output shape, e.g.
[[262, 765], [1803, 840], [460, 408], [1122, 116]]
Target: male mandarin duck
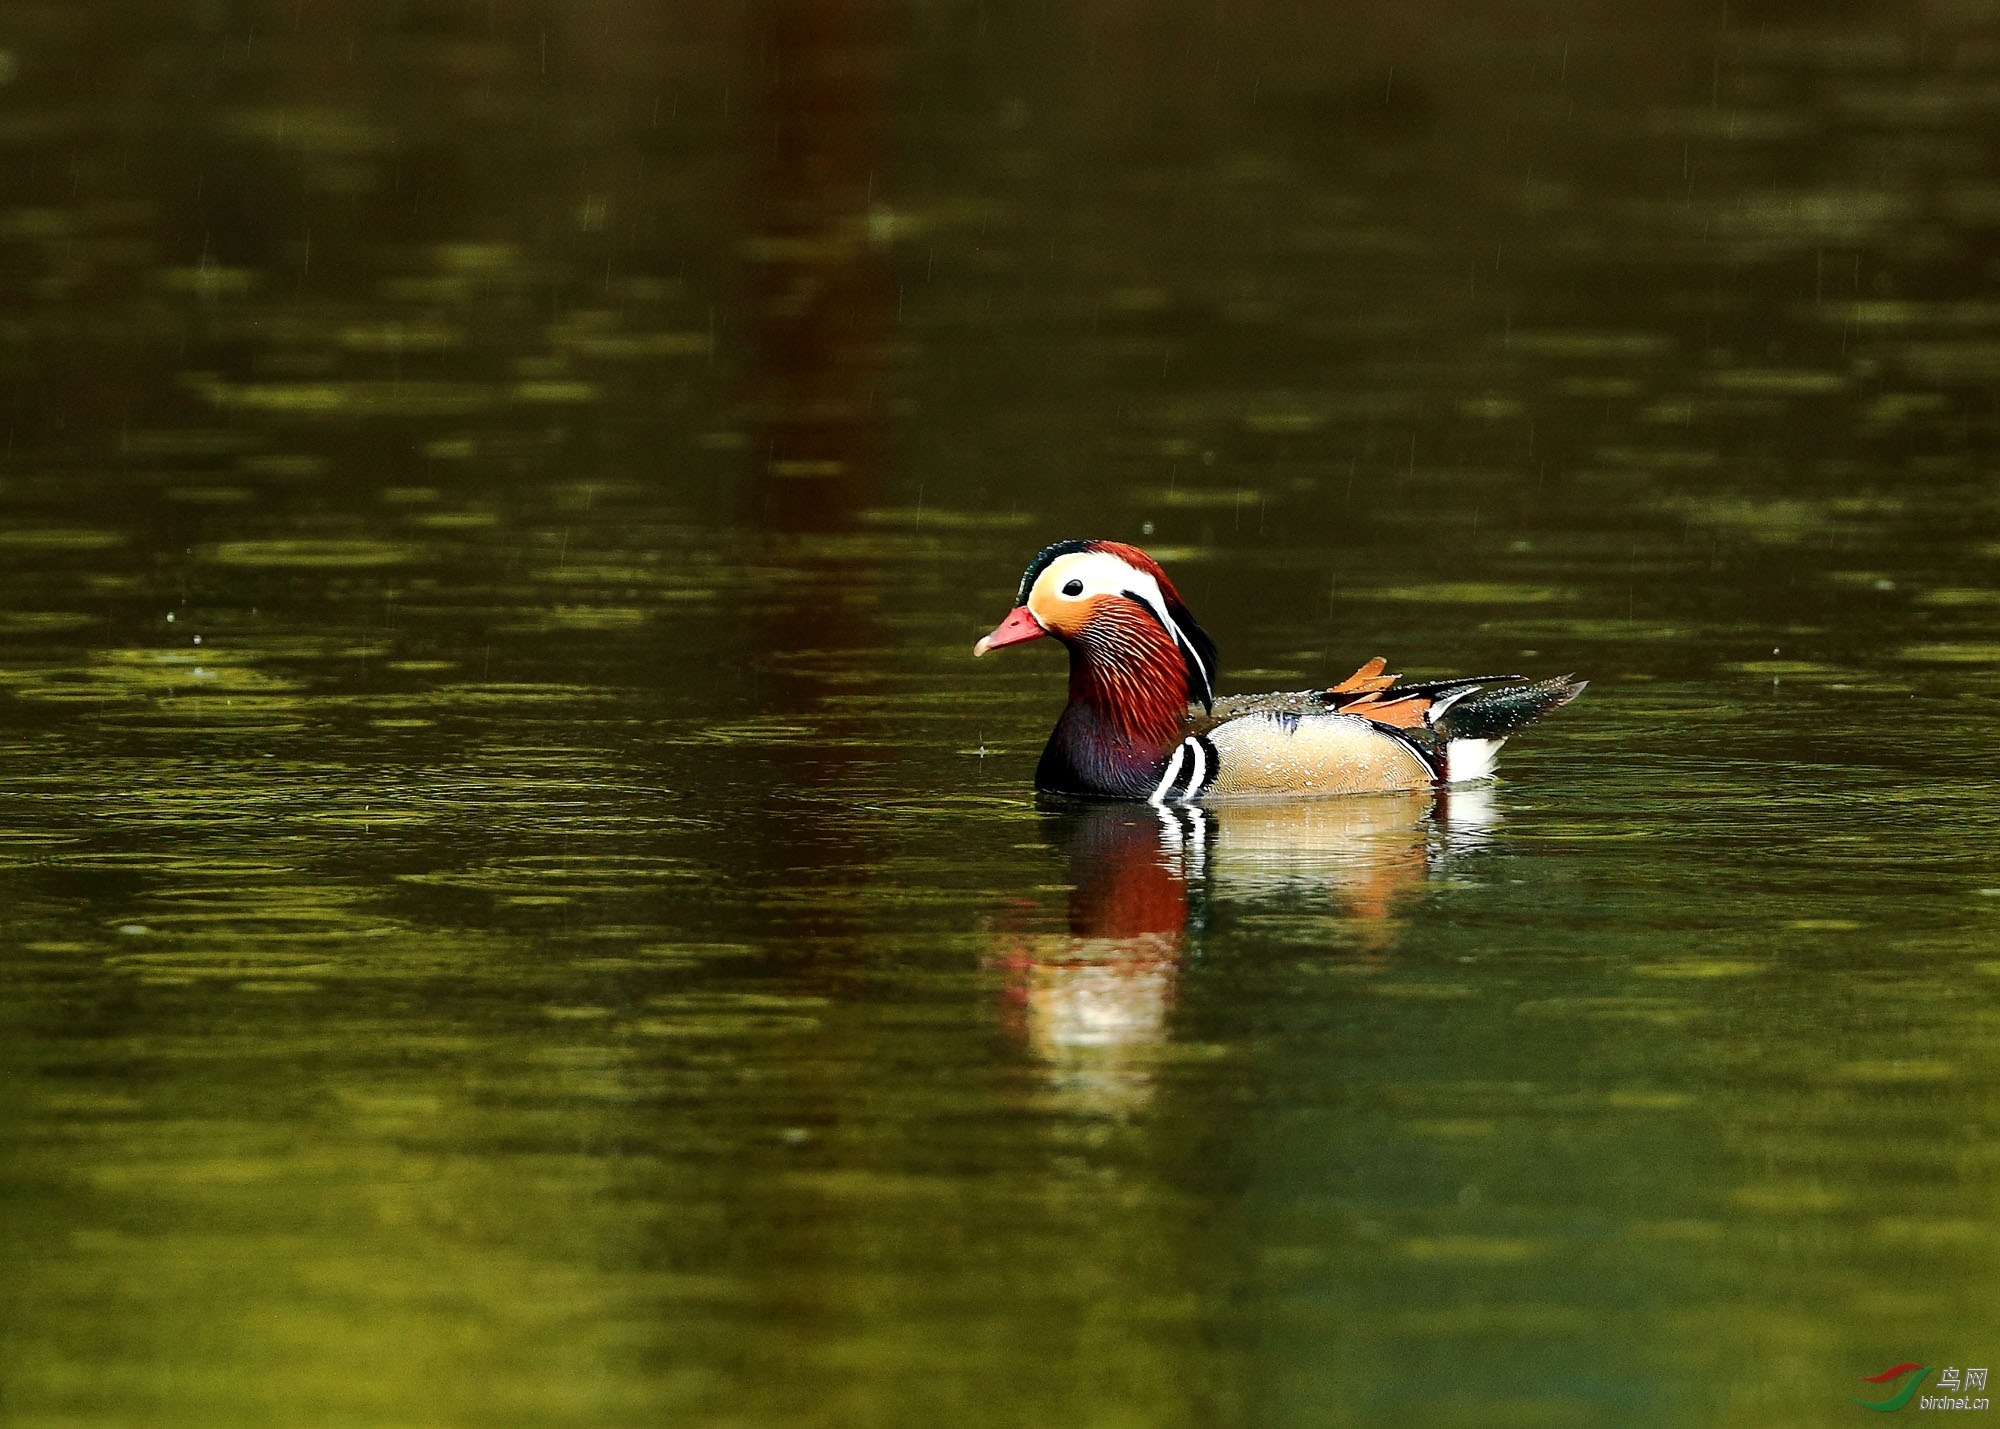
[[1144, 723]]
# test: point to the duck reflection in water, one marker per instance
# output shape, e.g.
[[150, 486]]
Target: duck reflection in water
[[1094, 1005]]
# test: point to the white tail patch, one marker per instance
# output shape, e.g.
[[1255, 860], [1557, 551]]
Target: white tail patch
[[1468, 759]]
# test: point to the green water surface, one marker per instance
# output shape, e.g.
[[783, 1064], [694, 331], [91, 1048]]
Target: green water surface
[[520, 909]]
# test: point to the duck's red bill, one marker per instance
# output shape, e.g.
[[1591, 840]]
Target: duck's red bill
[[1019, 625]]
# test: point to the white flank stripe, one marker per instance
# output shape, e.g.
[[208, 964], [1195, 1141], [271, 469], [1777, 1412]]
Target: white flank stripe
[[1200, 771], [1173, 772]]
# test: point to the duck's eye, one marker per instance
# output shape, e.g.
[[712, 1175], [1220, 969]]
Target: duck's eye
[[1073, 588]]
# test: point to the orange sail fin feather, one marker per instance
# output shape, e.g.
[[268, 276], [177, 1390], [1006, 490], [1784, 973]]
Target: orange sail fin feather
[[1403, 713], [1366, 679], [1143, 720]]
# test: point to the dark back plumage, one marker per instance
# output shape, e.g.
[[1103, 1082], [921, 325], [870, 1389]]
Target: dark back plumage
[[1494, 714]]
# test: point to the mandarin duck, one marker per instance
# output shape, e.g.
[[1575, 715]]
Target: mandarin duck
[[1144, 721]]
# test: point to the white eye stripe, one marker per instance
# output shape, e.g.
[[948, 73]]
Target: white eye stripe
[[1100, 572]]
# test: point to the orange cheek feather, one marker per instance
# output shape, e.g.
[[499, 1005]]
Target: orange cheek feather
[[1068, 617]]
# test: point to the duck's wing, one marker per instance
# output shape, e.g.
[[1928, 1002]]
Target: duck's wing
[[1380, 736], [1495, 714], [1367, 693], [1373, 695], [1478, 706]]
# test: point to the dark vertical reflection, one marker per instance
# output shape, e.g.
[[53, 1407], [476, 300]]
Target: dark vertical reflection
[[816, 290], [814, 295]]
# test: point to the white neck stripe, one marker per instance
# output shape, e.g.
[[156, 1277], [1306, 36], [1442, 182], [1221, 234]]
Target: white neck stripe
[[1155, 602]]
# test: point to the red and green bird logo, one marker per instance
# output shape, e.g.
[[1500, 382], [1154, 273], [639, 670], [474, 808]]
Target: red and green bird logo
[[1901, 1396]]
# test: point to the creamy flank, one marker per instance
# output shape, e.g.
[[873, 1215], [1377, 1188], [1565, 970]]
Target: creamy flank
[[1270, 756]]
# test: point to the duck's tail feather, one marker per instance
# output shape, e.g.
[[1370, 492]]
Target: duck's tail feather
[[1497, 713]]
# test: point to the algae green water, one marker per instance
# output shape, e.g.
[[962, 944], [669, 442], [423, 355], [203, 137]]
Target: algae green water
[[521, 910]]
